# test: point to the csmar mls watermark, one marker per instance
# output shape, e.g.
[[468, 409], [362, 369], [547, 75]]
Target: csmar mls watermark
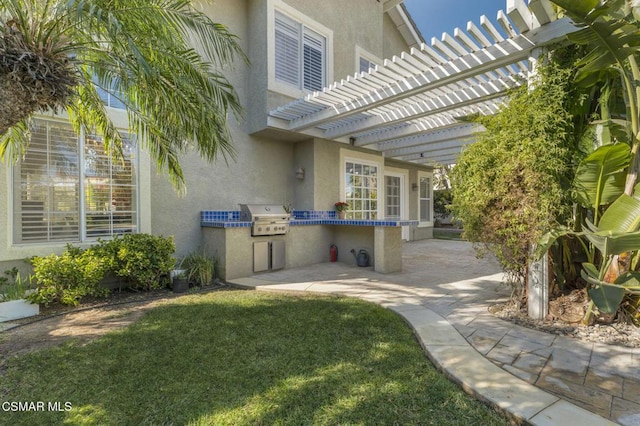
[[25, 406]]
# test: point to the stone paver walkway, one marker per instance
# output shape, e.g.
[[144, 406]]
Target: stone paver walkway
[[443, 293]]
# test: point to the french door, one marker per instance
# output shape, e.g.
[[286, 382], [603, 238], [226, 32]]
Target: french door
[[396, 199]]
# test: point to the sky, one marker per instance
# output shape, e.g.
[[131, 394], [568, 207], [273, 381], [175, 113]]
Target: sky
[[433, 17]]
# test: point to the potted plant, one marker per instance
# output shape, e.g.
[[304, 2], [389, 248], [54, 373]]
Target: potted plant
[[342, 208], [12, 297], [179, 281], [199, 268]]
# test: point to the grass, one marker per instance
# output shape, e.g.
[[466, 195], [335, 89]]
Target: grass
[[244, 358], [445, 234]]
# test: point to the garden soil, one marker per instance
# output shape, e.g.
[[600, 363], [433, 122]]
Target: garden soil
[[565, 318]]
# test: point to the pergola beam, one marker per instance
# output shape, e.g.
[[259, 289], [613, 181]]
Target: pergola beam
[[409, 107], [499, 55], [407, 145]]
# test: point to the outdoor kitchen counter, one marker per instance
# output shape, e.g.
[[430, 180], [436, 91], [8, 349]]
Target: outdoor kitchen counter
[[302, 222], [307, 242]]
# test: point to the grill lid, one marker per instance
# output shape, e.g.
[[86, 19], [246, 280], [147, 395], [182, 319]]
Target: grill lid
[[256, 212]]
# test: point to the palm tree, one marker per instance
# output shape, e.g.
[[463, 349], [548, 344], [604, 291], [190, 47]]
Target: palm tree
[[160, 58]]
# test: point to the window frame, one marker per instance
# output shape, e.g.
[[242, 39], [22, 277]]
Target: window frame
[[379, 186], [279, 7], [420, 198], [82, 236], [366, 55]]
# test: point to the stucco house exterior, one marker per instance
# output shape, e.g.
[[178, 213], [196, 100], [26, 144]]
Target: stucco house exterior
[[67, 190]]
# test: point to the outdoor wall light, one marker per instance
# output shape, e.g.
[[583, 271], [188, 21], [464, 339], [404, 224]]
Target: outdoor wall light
[[414, 186], [300, 173]]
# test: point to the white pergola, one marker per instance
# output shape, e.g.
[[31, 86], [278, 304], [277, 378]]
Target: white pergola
[[411, 107]]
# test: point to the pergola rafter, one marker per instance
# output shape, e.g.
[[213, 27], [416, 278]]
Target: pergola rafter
[[412, 106]]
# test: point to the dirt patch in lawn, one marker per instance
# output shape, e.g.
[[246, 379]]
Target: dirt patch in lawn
[[58, 324]]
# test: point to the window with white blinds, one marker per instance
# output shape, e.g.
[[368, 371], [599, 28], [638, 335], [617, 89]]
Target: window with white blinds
[[67, 188], [300, 54]]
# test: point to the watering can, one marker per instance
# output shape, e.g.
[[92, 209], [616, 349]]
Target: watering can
[[362, 258]]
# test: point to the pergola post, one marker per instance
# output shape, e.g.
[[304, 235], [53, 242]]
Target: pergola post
[[537, 271], [538, 288]]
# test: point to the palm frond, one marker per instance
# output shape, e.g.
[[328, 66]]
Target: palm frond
[[161, 58]]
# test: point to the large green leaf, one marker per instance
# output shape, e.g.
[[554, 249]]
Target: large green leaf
[[591, 270], [610, 35], [578, 7], [607, 298], [621, 216], [548, 239], [630, 280], [600, 177], [610, 243]]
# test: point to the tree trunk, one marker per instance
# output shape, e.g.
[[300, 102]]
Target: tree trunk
[[15, 104]]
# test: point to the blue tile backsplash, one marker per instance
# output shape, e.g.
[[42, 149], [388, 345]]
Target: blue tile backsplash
[[314, 214], [219, 215], [231, 219]]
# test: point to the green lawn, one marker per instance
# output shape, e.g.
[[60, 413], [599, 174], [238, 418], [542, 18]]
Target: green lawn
[[445, 234], [244, 358]]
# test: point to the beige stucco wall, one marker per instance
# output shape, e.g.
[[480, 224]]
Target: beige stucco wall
[[305, 245], [354, 26], [264, 168], [393, 42]]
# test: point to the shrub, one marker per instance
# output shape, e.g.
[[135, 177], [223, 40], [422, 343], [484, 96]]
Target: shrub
[[513, 183], [143, 260], [441, 200], [69, 277], [199, 268]]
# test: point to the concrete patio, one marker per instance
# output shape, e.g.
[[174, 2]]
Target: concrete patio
[[443, 293]]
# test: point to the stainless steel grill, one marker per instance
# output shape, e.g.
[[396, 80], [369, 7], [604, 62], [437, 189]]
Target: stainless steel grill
[[267, 219]]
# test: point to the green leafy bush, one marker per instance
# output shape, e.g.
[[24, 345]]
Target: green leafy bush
[[514, 182], [68, 277], [143, 260]]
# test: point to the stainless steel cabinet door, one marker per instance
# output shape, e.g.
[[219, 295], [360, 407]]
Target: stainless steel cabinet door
[[278, 258], [261, 256]]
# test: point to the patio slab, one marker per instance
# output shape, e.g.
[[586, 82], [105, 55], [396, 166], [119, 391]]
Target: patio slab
[[538, 378]]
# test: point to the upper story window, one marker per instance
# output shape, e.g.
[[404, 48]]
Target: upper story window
[[366, 65], [110, 100], [365, 60], [67, 188], [300, 54], [108, 97]]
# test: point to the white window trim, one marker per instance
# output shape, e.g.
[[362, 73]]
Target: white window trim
[[82, 219], [362, 53], [424, 224], [369, 160], [404, 176], [281, 7]]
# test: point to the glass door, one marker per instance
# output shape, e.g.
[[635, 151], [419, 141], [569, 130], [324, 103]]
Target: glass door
[[395, 197]]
